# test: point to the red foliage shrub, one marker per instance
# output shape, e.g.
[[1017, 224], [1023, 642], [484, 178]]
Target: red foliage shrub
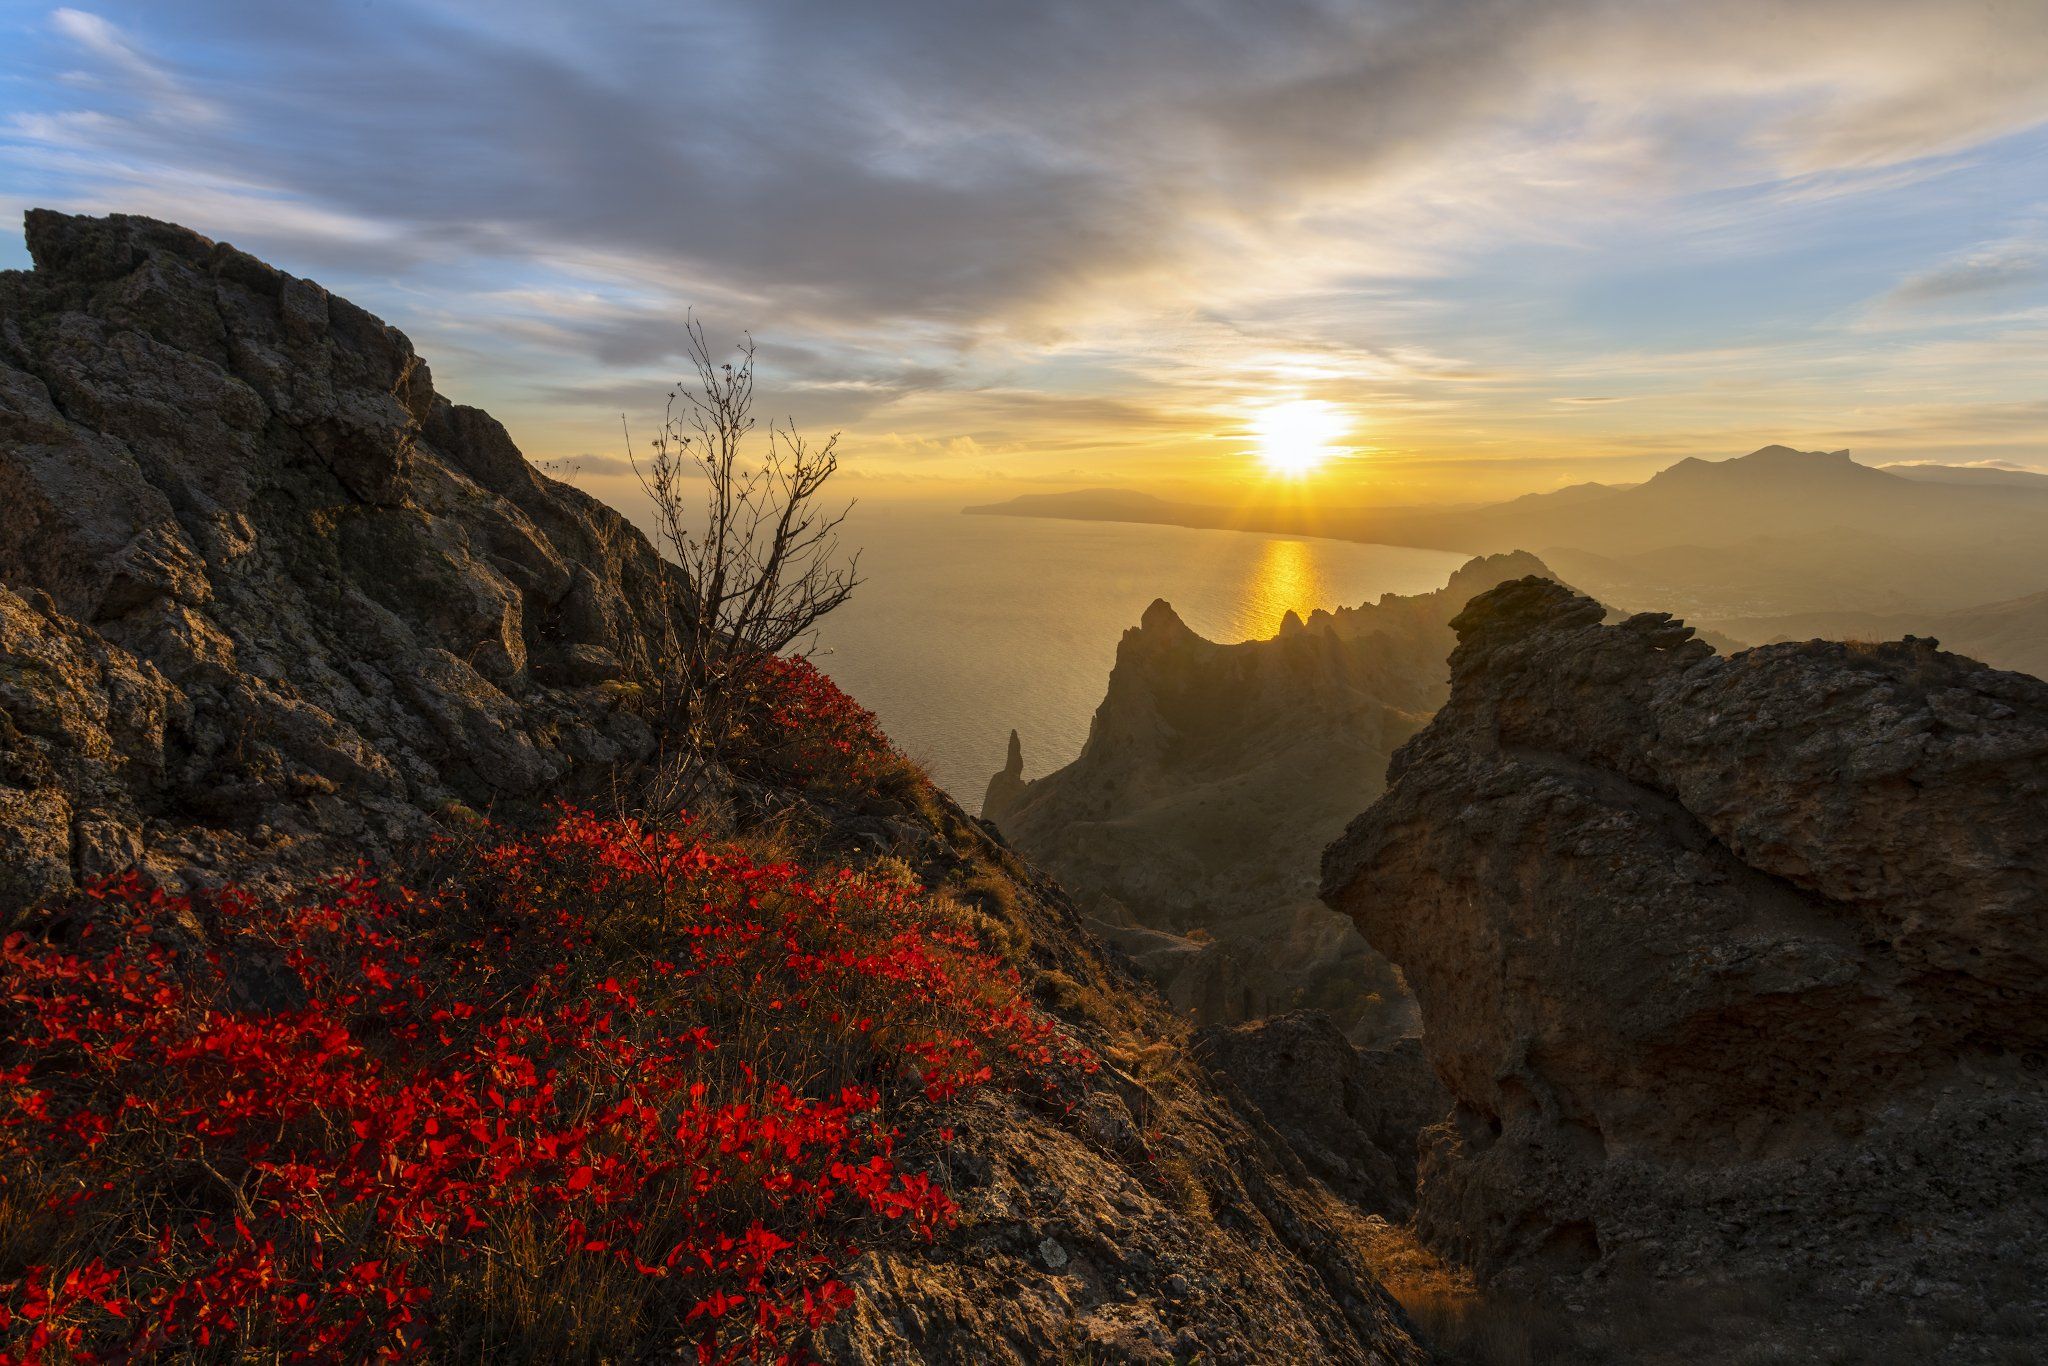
[[607, 1092], [805, 731]]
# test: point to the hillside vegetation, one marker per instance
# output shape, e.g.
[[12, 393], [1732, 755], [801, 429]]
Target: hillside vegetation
[[357, 1000]]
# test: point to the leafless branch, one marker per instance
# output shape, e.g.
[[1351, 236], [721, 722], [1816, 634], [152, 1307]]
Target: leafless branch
[[755, 555]]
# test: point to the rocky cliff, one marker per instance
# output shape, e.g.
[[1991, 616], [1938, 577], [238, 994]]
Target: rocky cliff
[[268, 596], [270, 604], [1733, 965], [1213, 776]]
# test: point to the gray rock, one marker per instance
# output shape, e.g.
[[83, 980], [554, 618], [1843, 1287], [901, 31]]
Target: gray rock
[[256, 560], [1730, 963]]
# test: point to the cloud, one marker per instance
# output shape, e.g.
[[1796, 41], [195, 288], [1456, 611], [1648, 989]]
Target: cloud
[[1048, 220], [1993, 272], [961, 163], [2009, 466], [119, 58]]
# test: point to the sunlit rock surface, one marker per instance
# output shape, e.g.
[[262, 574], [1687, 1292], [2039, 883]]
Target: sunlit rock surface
[[321, 601]]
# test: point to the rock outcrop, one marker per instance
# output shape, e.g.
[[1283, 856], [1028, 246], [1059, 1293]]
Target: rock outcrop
[[1191, 824], [1734, 965], [269, 595], [1007, 787]]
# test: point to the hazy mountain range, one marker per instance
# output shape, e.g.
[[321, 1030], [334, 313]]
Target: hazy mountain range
[[1773, 533]]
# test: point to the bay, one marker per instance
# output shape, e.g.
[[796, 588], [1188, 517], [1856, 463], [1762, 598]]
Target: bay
[[966, 626]]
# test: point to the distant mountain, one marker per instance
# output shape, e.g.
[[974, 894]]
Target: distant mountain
[[1570, 493], [1980, 476], [2006, 635], [1772, 491], [1775, 531]]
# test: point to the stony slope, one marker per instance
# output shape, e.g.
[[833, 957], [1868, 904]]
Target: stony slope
[[1212, 778], [1734, 965], [269, 603]]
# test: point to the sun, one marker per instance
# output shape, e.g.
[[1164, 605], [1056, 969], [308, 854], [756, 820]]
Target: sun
[[1295, 438]]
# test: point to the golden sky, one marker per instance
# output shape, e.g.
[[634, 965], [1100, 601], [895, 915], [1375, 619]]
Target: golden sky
[[1489, 246]]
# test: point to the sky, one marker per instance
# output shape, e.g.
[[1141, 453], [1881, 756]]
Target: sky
[[1487, 246]]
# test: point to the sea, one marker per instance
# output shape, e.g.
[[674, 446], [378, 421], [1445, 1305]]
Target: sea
[[967, 626]]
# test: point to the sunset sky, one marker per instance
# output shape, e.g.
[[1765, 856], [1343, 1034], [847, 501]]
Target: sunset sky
[[1022, 247]]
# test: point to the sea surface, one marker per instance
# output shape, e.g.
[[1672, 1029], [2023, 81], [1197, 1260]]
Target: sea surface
[[966, 626]]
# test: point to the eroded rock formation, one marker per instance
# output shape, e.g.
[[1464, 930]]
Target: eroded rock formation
[[1191, 824], [272, 596], [1732, 964]]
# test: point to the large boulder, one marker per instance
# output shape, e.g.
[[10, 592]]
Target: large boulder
[[271, 594], [1729, 962]]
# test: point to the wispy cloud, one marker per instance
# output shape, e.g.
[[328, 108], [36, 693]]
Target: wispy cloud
[[1058, 226], [122, 65], [1997, 271]]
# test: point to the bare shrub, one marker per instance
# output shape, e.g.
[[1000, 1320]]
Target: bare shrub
[[751, 549]]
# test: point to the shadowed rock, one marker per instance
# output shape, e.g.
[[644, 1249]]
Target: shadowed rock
[[1352, 1115], [1728, 961], [1213, 776]]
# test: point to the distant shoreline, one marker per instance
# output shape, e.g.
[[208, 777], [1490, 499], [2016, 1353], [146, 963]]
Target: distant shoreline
[[1357, 525]]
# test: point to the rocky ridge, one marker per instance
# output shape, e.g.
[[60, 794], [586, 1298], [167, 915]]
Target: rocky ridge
[[1733, 965], [1213, 775], [270, 604]]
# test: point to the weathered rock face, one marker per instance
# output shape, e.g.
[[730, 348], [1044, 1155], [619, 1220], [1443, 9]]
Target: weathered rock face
[[1191, 824], [273, 594], [1727, 961]]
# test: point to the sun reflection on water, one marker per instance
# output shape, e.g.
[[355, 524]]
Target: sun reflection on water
[[1286, 578]]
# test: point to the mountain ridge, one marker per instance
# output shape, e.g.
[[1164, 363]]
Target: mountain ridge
[[1775, 531]]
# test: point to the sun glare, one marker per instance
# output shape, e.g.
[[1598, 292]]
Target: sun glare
[[1295, 438]]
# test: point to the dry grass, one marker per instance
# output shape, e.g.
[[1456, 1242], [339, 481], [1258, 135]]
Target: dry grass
[[1490, 1330], [1072, 997], [1466, 1323]]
